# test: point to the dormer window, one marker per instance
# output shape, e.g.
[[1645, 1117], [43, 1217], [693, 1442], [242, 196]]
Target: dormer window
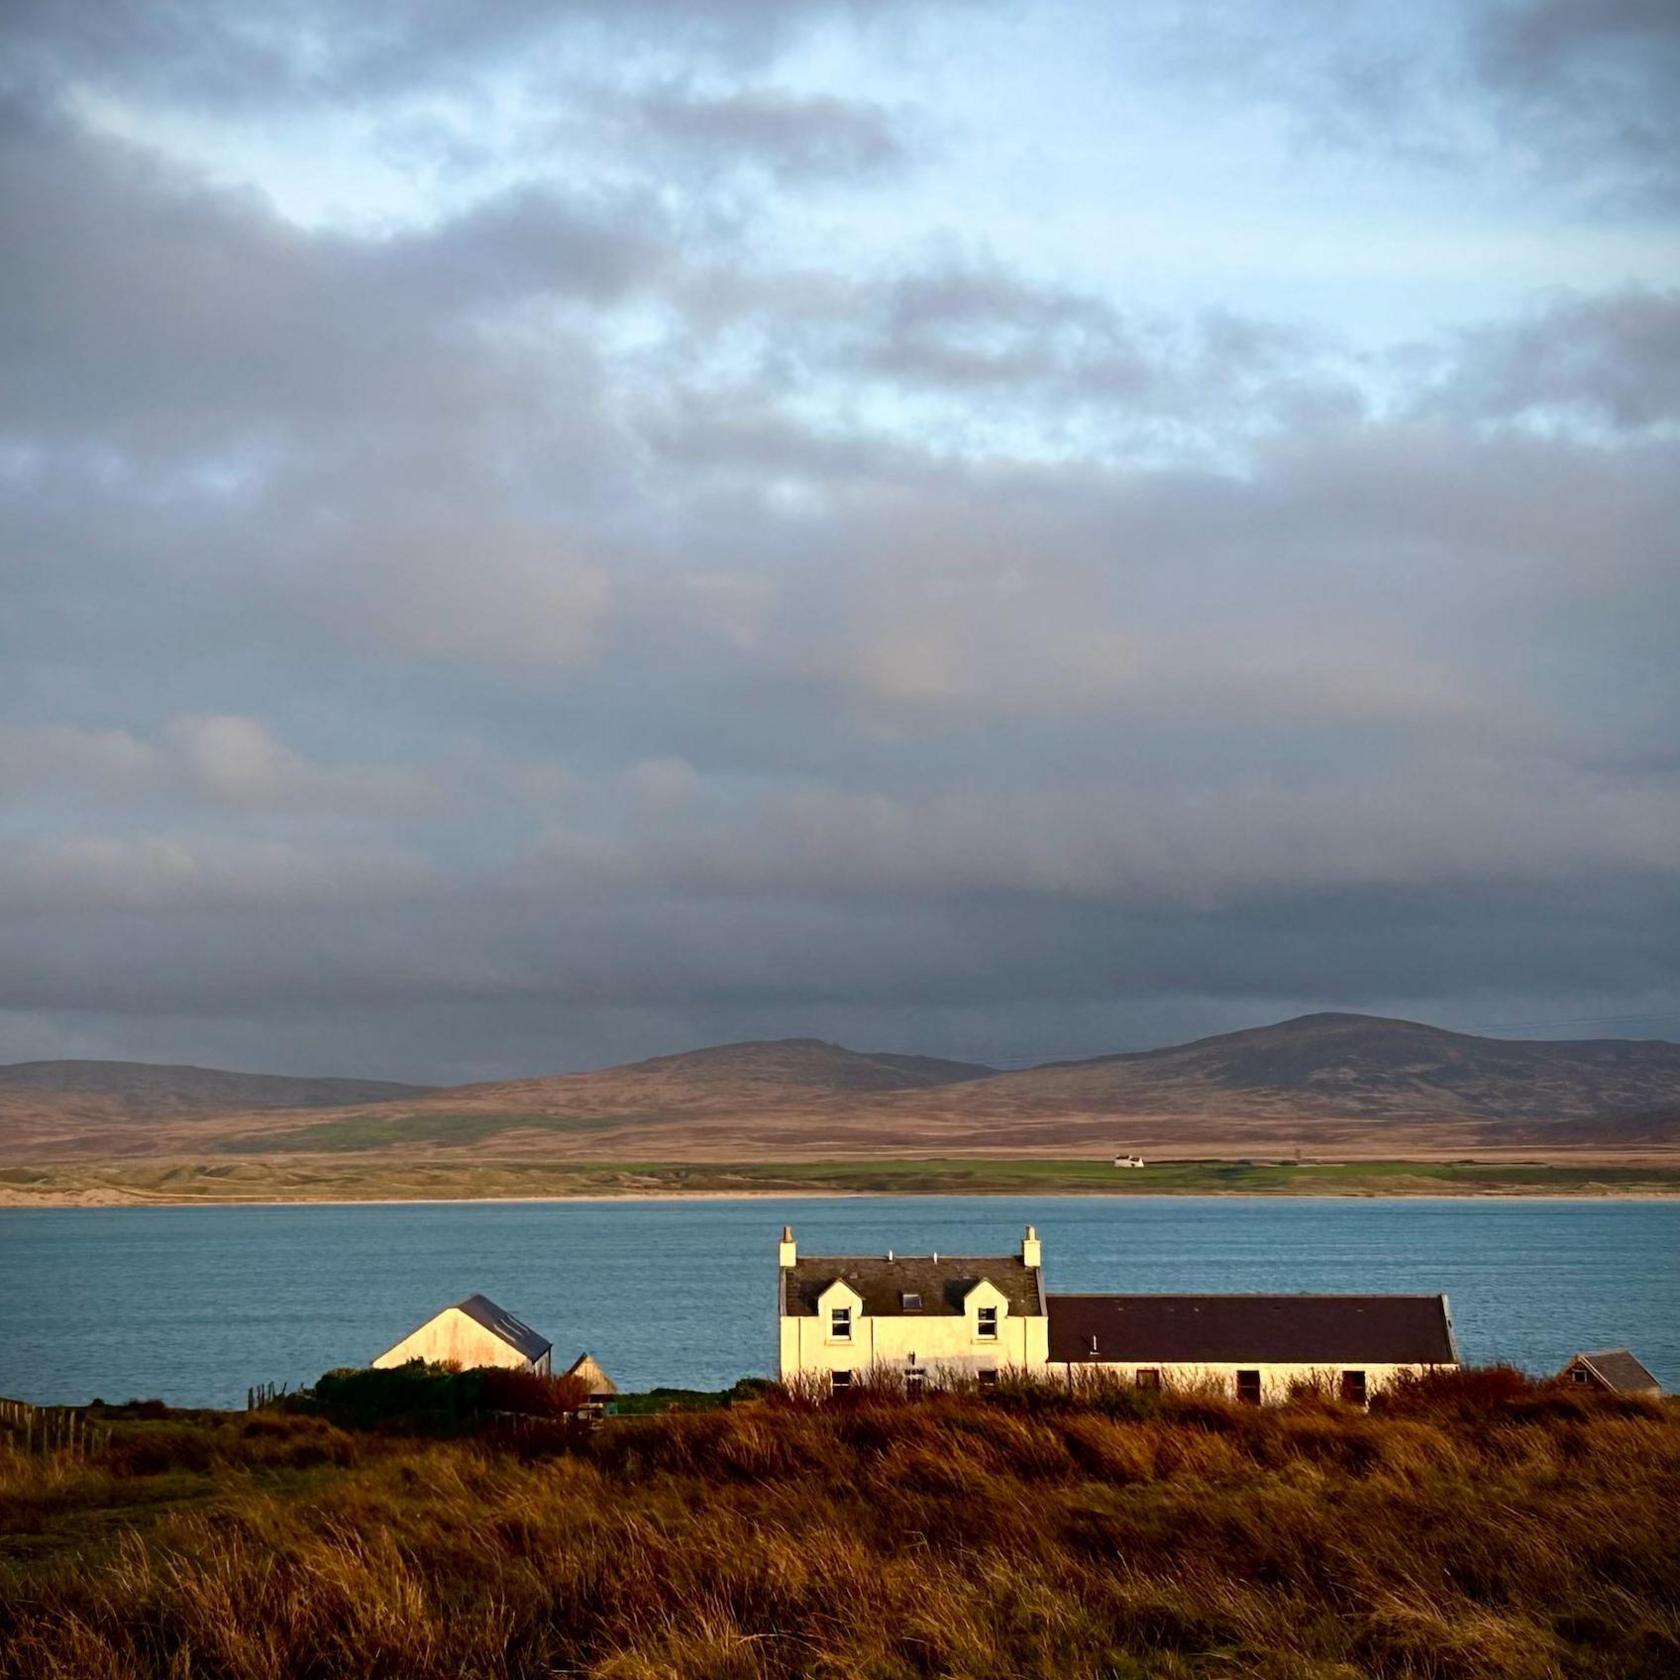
[[986, 1328], [840, 1324], [912, 1301]]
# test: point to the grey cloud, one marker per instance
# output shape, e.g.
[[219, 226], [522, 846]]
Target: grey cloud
[[564, 614], [232, 762], [140, 301], [225, 53], [1612, 360], [1577, 96], [1599, 79], [487, 986], [794, 137]]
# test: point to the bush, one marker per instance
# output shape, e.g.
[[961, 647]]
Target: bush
[[441, 1399]]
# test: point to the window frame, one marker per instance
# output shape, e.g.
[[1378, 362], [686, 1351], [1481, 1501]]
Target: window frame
[[1148, 1378], [840, 1325], [1353, 1388], [986, 1328], [839, 1381], [1250, 1387]]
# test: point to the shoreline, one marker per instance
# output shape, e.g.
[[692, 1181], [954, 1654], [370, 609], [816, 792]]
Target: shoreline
[[59, 1200]]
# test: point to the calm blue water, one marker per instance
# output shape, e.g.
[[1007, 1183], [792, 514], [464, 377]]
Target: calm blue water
[[194, 1304]]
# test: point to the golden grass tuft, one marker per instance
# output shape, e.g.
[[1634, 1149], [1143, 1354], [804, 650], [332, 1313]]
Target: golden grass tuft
[[1479, 1530]]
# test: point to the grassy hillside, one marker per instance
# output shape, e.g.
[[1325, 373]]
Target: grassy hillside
[[1485, 1530]]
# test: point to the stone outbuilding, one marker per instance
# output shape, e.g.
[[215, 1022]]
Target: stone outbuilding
[[1613, 1369], [473, 1333]]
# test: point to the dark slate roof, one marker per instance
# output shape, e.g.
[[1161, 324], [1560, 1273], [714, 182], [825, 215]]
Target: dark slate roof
[[884, 1283], [1264, 1329], [1618, 1369], [516, 1334]]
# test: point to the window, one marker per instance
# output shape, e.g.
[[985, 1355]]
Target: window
[[988, 1379], [915, 1380], [840, 1324], [838, 1380], [912, 1301], [1248, 1388], [986, 1329], [1353, 1387], [1149, 1378], [1580, 1374]]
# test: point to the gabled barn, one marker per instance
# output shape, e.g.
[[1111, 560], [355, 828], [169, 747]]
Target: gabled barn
[[587, 1368], [1614, 1369], [473, 1333]]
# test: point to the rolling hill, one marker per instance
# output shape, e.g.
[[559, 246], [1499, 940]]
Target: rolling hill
[[1351, 1083], [120, 1107]]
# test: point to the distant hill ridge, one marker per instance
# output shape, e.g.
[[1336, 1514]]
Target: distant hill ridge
[[152, 1088], [1330, 1078]]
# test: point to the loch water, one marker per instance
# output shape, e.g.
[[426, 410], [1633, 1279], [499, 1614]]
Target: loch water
[[193, 1305]]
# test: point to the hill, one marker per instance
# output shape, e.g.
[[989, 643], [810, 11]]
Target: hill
[[1368, 1066], [124, 1106], [1353, 1084]]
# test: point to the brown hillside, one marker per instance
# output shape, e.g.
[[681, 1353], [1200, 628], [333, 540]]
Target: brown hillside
[[123, 1107], [1358, 1085]]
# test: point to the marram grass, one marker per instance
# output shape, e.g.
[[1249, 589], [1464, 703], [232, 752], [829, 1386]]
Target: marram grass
[[1477, 1526]]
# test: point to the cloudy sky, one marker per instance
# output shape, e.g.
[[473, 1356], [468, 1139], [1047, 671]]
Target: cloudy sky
[[532, 535]]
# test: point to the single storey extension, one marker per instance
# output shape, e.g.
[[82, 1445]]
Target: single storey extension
[[1253, 1347]]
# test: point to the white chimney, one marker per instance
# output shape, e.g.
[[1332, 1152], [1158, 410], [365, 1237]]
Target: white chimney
[[1032, 1250], [789, 1251]]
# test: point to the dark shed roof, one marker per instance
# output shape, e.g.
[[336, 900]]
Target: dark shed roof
[[482, 1310], [1618, 1370], [1267, 1329], [884, 1283]]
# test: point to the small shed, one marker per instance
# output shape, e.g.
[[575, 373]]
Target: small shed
[[588, 1368], [473, 1333], [1614, 1369]]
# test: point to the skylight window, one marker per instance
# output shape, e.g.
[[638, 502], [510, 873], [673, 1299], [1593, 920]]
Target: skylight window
[[912, 1301]]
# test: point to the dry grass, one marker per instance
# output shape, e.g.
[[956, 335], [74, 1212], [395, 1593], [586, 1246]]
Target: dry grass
[[1479, 1527]]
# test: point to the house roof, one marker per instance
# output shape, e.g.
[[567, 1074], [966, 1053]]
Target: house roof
[[517, 1334], [884, 1283], [1265, 1329], [1617, 1369], [588, 1367]]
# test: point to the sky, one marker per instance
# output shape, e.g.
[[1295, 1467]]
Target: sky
[[534, 535]]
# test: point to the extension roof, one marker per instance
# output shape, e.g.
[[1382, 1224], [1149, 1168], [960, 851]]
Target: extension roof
[[884, 1283], [1618, 1370], [1257, 1329], [518, 1335]]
